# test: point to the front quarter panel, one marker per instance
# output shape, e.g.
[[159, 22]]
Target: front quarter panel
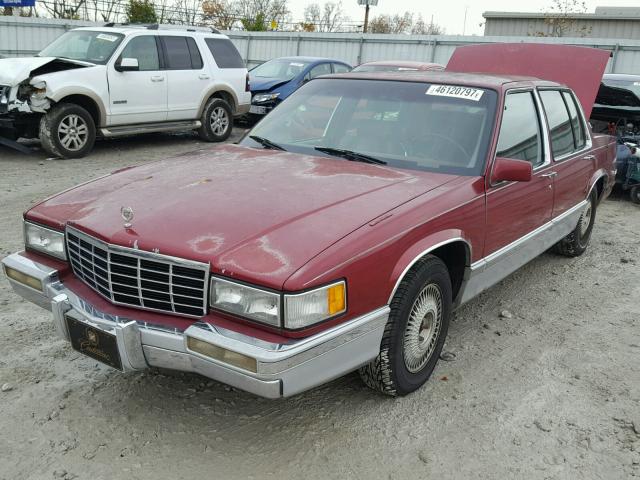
[[374, 258]]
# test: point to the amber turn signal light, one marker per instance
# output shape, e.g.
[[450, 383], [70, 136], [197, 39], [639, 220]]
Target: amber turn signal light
[[23, 278], [222, 354]]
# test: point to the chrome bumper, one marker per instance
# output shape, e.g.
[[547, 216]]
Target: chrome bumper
[[282, 370]]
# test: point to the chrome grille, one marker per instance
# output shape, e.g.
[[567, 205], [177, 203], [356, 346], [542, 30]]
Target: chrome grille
[[138, 278]]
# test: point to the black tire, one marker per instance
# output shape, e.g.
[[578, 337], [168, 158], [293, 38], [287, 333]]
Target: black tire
[[576, 243], [79, 124], [389, 372], [217, 121], [635, 194]]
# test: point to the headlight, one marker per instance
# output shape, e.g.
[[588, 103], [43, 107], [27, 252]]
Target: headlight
[[44, 240], [305, 309], [264, 97], [39, 91], [245, 301]]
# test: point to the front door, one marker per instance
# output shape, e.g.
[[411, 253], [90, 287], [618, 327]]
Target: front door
[[139, 96], [517, 210]]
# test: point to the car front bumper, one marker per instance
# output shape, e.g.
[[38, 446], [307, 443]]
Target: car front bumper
[[282, 369]]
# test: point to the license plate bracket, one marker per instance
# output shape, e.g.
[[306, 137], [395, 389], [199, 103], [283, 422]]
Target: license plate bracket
[[258, 109], [94, 342]]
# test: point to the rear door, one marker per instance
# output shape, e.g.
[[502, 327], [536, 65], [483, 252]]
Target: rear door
[[186, 76], [141, 96], [573, 162], [517, 209]]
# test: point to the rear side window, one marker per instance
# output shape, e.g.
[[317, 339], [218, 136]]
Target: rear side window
[[579, 136], [224, 53], [340, 68], [559, 123], [196, 59], [179, 54], [520, 130]]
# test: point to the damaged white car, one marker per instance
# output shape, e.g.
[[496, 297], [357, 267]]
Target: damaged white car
[[123, 80]]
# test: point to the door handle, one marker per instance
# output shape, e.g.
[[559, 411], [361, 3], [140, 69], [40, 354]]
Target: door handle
[[589, 157], [203, 76], [549, 174], [157, 78]]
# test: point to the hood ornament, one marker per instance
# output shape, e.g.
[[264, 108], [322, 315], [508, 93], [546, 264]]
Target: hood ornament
[[127, 216]]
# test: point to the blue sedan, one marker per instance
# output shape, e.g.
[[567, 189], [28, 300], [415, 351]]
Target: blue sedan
[[273, 81]]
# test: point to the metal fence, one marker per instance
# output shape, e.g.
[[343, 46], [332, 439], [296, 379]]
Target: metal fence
[[26, 36]]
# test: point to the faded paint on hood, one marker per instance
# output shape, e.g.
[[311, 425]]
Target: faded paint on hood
[[255, 215], [580, 68], [14, 71]]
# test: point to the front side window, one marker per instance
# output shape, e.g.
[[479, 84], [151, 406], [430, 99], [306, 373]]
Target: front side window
[[224, 53], [322, 69], [579, 135], [340, 68], [559, 122], [405, 124], [520, 130], [84, 45], [145, 50]]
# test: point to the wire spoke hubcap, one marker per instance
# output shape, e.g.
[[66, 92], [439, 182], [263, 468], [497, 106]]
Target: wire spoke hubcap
[[73, 132], [219, 120], [423, 328], [585, 220]]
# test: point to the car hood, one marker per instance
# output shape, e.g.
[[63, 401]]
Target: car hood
[[255, 215], [14, 71], [261, 84]]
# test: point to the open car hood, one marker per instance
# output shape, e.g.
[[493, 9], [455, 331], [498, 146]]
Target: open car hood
[[580, 68], [14, 71]]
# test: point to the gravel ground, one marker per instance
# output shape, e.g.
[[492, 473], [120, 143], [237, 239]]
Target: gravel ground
[[550, 389]]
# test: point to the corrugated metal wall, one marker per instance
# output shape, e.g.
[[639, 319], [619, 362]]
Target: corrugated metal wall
[[26, 36], [598, 28]]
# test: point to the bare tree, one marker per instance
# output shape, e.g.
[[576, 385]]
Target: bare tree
[[420, 27], [67, 9], [186, 12], [560, 18], [264, 11], [219, 13], [326, 18], [397, 23]]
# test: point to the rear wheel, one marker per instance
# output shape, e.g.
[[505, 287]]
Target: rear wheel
[[635, 194], [217, 121], [576, 243], [415, 332], [67, 131]]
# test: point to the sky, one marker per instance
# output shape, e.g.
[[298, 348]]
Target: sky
[[451, 13]]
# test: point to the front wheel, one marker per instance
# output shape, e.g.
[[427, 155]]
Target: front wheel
[[415, 332], [576, 243], [67, 131], [217, 121]]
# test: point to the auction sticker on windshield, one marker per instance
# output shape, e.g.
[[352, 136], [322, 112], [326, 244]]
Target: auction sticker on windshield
[[107, 37], [455, 92]]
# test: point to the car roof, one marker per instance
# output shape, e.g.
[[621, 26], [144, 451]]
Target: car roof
[[402, 63], [131, 29], [481, 80], [621, 76], [310, 59]]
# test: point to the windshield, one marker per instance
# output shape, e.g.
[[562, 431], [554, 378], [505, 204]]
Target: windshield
[[84, 45], [280, 69], [408, 125]]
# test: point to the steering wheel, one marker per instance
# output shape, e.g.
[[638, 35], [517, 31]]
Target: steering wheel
[[450, 141]]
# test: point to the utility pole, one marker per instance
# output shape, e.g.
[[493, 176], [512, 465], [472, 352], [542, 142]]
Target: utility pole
[[367, 5], [464, 27]]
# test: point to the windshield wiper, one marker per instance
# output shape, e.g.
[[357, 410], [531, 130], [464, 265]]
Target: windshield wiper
[[350, 155], [266, 143]]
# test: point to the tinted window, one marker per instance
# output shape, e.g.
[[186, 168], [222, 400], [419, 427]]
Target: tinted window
[[178, 55], [576, 121], [196, 59], [520, 130], [224, 53], [340, 68], [559, 123], [144, 50], [322, 69], [394, 121]]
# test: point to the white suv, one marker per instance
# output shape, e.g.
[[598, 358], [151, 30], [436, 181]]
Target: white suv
[[123, 80]]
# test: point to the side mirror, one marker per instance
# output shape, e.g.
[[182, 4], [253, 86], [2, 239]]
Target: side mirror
[[127, 65], [511, 170]]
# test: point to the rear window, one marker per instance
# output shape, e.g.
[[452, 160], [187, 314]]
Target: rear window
[[224, 53]]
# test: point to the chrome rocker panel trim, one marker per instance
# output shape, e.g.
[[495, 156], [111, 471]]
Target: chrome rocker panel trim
[[282, 369]]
